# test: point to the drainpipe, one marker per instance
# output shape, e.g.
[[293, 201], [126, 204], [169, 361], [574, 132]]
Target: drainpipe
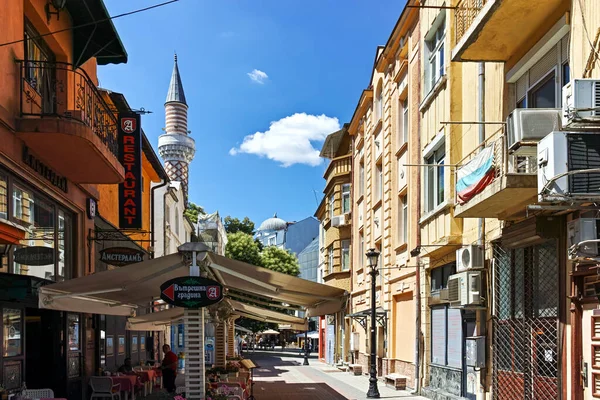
[[481, 225], [163, 184], [418, 262]]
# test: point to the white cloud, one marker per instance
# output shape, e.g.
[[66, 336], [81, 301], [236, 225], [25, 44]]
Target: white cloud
[[289, 140], [258, 76]]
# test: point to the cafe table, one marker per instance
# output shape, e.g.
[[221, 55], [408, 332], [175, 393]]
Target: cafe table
[[128, 384], [147, 377]]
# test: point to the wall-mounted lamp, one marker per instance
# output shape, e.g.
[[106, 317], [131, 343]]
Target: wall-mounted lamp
[[58, 6]]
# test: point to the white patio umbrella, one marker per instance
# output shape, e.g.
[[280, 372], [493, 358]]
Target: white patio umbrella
[[269, 332]]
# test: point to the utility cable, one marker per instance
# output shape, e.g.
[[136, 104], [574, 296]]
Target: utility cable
[[91, 23]]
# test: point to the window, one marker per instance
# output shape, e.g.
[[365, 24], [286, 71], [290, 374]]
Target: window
[[330, 259], [379, 102], [434, 48], [345, 255], [345, 198], [434, 178], [402, 122], [331, 206], [3, 196], [12, 345], [272, 241], [402, 220], [73, 329], [361, 179], [361, 251], [446, 337], [540, 86], [378, 183], [17, 204], [440, 275]]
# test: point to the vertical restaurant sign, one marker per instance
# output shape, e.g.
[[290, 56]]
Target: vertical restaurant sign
[[130, 155]]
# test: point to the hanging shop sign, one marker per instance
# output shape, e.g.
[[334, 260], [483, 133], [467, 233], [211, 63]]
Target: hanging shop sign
[[91, 207], [130, 154], [32, 162], [34, 256], [120, 256], [191, 292]]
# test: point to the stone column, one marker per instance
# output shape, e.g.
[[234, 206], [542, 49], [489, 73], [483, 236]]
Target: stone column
[[231, 335]]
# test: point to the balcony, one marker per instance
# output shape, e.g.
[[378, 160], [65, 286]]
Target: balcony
[[339, 166], [66, 123], [495, 30], [513, 185]]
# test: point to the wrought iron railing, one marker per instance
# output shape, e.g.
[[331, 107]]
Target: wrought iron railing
[[54, 89], [522, 162], [465, 14]]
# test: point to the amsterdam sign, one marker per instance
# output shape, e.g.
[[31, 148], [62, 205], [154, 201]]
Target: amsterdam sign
[[120, 256], [34, 256], [191, 292]]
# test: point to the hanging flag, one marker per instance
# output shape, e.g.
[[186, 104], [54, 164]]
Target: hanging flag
[[474, 176]]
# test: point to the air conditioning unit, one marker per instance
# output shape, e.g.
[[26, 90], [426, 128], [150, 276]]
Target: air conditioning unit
[[583, 229], [464, 289], [338, 220], [469, 257], [560, 154], [581, 102], [529, 125]]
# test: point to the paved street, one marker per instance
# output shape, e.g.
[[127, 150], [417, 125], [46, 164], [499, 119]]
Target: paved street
[[282, 376]]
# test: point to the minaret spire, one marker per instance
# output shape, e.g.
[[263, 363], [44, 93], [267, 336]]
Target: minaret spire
[[175, 147]]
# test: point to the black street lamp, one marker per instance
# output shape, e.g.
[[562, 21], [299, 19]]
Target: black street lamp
[[305, 348], [373, 258]]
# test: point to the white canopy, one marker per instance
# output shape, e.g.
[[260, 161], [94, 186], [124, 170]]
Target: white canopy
[[122, 290]]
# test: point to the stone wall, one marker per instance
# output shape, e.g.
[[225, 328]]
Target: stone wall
[[444, 384]]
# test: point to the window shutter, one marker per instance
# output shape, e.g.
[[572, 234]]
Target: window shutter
[[521, 86], [542, 67], [564, 49]]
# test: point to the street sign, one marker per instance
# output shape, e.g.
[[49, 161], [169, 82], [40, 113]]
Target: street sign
[[120, 256], [191, 292], [34, 256]]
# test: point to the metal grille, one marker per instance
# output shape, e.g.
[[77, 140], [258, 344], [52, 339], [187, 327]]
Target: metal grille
[[526, 307]]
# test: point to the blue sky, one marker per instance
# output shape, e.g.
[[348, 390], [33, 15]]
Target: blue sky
[[245, 65]]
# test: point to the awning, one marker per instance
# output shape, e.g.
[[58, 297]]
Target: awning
[[92, 38], [11, 233], [311, 335], [120, 291], [318, 299], [155, 321], [265, 315], [115, 292], [242, 329]]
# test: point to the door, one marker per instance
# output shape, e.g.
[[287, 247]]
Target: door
[[74, 356], [590, 367]]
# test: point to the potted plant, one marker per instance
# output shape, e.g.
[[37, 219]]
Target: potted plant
[[233, 369], [222, 372]]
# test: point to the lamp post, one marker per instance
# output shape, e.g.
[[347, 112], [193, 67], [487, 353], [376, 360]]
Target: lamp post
[[373, 258], [305, 348]]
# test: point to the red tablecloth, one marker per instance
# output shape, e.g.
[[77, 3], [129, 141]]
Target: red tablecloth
[[157, 371], [146, 376], [127, 382]]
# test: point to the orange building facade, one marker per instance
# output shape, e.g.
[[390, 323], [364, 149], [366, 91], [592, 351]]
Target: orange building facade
[[58, 142]]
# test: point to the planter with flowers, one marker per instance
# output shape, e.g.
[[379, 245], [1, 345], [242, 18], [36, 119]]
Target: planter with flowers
[[233, 369], [222, 372]]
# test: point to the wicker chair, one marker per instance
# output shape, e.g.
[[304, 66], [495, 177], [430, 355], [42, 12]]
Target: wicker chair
[[102, 387]]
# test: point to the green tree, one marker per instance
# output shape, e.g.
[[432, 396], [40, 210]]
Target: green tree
[[234, 225], [280, 260], [242, 247], [193, 211]]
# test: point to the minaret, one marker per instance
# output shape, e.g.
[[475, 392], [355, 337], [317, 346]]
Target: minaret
[[175, 147]]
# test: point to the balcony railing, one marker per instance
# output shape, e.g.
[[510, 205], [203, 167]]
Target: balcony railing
[[523, 162], [338, 166], [465, 13], [54, 89]]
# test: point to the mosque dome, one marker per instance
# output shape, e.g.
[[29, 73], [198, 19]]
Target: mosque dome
[[273, 224]]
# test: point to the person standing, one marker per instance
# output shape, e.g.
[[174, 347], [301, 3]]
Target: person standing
[[169, 369]]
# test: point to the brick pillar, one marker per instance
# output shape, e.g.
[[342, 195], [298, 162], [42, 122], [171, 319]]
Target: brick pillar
[[220, 344]]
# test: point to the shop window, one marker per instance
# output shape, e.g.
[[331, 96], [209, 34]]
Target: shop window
[[12, 324], [446, 337], [3, 197], [134, 344]]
